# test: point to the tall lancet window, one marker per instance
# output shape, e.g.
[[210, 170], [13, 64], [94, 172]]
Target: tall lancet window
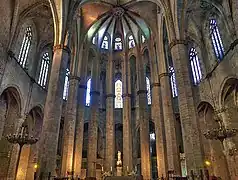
[[88, 97], [118, 44], [66, 85], [148, 90], [216, 40], [195, 66], [131, 42], [94, 40], [142, 38], [118, 93], [25, 47], [173, 81], [105, 43], [44, 69]]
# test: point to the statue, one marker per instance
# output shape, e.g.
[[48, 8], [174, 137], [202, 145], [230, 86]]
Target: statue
[[119, 162]]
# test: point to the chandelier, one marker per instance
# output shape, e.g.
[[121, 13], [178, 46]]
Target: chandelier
[[21, 138]]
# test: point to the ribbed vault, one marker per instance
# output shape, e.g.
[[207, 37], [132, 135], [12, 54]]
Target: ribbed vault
[[119, 22]]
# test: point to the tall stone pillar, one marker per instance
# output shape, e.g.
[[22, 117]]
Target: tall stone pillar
[[69, 126], [143, 119], [52, 111], [192, 146], [127, 131], [79, 129], [173, 156], [110, 124], [157, 115], [93, 122]]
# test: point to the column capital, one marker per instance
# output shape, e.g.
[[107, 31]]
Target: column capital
[[82, 86], [110, 95], [177, 41], [126, 95], [71, 77], [155, 85], [141, 92], [95, 93], [63, 47]]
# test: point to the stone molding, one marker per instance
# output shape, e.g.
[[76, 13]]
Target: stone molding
[[63, 47], [126, 95], [164, 74], [141, 92], [71, 77], [155, 85], [176, 42], [95, 93], [110, 95]]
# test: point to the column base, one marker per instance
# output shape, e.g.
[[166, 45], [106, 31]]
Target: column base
[[91, 178]]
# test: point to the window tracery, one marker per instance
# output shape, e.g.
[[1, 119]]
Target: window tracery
[[195, 66], [131, 42], [44, 69], [118, 44], [216, 40], [66, 85], [25, 47], [105, 43], [88, 97], [148, 90], [118, 93], [173, 81]]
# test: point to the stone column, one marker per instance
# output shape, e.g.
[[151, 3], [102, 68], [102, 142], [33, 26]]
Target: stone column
[[143, 119], [110, 124], [157, 114], [79, 129], [127, 131], [172, 149], [52, 111], [93, 122], [81, 97], [69, 126], [192, 146]]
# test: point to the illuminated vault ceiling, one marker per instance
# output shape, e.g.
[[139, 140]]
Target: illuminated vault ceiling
[[118, 20]]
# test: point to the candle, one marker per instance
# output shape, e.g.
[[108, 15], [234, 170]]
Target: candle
[[111, 168], [102, 168], [127, 168]]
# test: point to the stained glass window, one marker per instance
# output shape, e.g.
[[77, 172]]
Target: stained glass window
[[44, 69], [25, 47], [118, 93], [216, 39], [143, 38], [94, 40], [173, 81], [131, 42], [195, 66], [105, 43], [66, 85], [118, 44], [148, 90], [88, 97]]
